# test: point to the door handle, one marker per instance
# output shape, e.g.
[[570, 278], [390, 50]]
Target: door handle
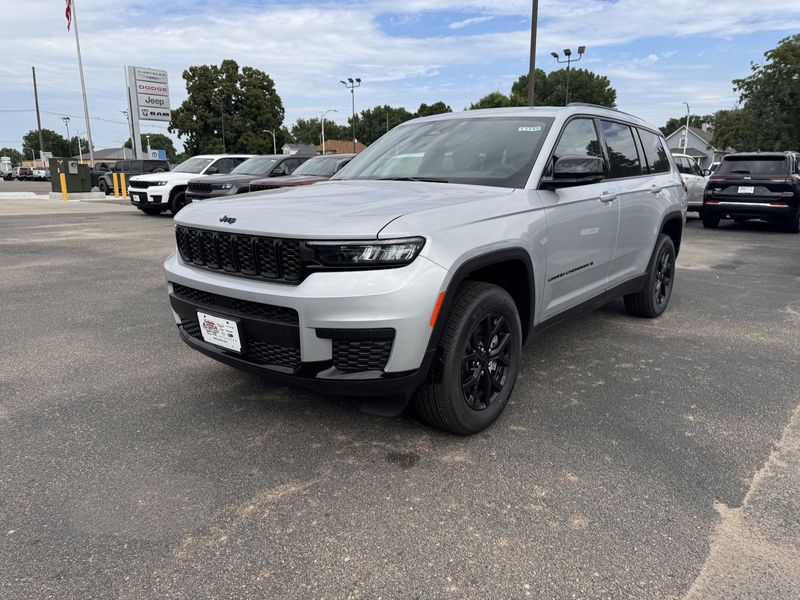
[[654, 189], [605, 197]]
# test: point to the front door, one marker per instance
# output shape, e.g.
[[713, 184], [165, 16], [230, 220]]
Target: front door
[[582, 227]]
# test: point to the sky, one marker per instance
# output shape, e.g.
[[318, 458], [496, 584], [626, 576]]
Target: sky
[[657, 53]]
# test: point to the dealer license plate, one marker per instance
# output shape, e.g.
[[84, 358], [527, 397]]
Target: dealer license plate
[[746, 189], [220, 332]]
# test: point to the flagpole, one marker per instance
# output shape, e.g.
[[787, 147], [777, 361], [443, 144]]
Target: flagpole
[[83, 85]]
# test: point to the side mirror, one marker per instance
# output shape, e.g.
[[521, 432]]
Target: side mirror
[[212, 171], [574, 169], [706, 172], [277, 172]]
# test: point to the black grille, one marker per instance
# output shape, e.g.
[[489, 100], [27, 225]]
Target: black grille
[[267, 312], [196, 186], [253, 256], [140, 185], [361, 355]]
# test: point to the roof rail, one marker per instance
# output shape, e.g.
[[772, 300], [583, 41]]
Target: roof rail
[[601, 106]]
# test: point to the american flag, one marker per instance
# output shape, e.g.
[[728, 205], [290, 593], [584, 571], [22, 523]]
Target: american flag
[[68, 13]]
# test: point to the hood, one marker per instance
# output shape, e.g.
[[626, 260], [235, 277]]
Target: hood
[[165, 176], [329, 210], [229, 178], [289, 180]]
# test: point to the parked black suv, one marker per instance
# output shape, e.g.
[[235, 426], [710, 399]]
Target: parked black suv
[[755, 185], [130, 168], [238, 180]]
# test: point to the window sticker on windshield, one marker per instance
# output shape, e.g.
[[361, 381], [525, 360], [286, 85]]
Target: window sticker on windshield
[[529, 128]]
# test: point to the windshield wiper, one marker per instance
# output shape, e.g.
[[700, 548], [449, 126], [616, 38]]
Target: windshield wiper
[[429, 179]]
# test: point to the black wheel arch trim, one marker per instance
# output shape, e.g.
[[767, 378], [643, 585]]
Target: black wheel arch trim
[[479, 262], [675, 215]]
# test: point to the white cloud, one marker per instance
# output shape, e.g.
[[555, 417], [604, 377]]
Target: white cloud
[[468, 22]]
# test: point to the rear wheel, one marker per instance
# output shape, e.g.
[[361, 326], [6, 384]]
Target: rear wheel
[[102, 186], [477, 361], [177, 202], [654, 297], [710, 221], [793, 224]]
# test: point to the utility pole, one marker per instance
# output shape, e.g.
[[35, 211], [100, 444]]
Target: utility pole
[[322, 118], [38, 117], [532, 69], [686, 137], [352, 85]]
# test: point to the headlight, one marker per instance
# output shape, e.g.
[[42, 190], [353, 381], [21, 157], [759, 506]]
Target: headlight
[[160, 183], [379, 253], [223, 186]]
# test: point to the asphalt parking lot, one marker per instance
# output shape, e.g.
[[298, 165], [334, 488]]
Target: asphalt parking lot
[[637, 459]]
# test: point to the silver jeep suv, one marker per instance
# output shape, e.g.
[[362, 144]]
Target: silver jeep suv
[[420, 269]]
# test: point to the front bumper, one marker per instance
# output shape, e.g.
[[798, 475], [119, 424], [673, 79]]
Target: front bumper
[[149, 196], [324, 334]]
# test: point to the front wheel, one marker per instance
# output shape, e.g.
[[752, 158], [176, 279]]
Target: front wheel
[[177, 202], [102, 186], [477, 361], [654, 297]]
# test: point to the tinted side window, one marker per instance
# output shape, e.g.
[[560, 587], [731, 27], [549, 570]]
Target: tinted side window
[[696, 170], [682, 164], [621, 149], [578, 138], [657, 160], [225, 165]]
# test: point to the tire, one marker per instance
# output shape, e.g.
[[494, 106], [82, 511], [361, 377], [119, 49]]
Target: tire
[[793, 224], [150, 210], [177, 202], [710, 221], [478, 310], [652, 300], [103, 186]]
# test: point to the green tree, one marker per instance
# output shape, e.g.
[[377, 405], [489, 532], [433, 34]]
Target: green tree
[[222, 100], [675, 123], [769, 118], [73, 144], [12, 153], [426, 110], [519, 89], [551, 89], [496, 99], [309, 131], [158, 141], [53, 142], [372, 123]]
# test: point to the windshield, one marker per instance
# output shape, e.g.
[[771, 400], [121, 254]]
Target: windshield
[[747, 165], [318, 167], [193, 165], [258, 165], [496, 151]]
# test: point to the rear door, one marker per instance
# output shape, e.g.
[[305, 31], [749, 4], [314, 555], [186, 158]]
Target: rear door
[[582, 227], [628, 170]]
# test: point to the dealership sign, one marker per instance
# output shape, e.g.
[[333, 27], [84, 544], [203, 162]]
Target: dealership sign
[[148, 100]]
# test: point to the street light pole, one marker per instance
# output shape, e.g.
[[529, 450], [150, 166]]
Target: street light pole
[[686, 137], [569, 61], [322, 118], [274, 143], [532, 69], [69, 144], [350, 84]]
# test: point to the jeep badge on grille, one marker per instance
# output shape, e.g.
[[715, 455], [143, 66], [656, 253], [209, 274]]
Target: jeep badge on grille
[[227, 219]]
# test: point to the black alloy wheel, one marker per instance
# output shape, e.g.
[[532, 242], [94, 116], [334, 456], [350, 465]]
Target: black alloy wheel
[[487, 357], [665, 268], [178, 202]]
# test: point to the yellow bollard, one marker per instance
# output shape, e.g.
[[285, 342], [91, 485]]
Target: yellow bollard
[[115, 179], [123, 188], [63, 179]]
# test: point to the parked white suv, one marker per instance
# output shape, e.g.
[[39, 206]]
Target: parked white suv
[[154, 193], [420, 269], [695, 181]]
